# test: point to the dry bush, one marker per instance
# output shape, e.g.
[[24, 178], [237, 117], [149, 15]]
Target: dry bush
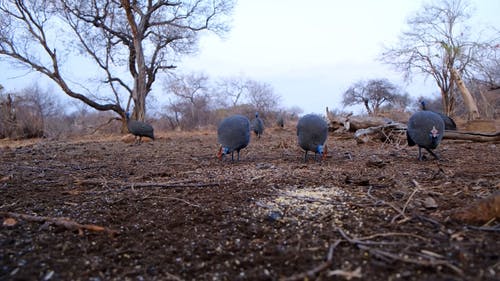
[[21, 118]]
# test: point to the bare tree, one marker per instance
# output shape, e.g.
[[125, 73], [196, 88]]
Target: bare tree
[[24, 114], [438, 40], [231, 90], [192, 98], [262, 97], [129, 41], [372, 94]]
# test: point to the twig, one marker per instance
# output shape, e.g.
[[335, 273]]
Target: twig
[[360, 242], [432, 262], [65, 222], [105, 124], [178, 199], [312, 273], [391, 234], [402, 213], [346, 274], [147, 184], [383, 254], [484, 228]]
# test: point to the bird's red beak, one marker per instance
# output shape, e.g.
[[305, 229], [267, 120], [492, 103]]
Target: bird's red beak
[[219, 154]]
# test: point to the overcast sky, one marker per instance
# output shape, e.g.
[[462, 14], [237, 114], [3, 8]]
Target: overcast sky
[[312, 51]]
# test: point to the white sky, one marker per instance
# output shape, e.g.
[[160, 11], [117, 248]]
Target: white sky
[[310, 52]]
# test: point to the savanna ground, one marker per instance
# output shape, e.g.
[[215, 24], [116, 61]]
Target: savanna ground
[[172, 211]]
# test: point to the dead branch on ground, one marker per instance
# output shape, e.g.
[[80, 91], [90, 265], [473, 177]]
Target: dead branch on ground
[[430, 260], [313, 272], [61, 221], [145, 184]]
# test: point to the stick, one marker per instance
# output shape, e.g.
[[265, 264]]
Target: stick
[[65, 222], [178, 199], [380, 253], [312, 272], [383, 254], [402, 213], [147, 184]]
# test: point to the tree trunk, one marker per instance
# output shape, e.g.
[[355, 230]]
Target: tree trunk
[[469, 101], [137, 64]]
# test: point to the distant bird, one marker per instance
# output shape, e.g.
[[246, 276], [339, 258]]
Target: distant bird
[[257, 125], [425, 129], [449, 123], [312, 131], [139, 129], [281, 121], [233, 134]]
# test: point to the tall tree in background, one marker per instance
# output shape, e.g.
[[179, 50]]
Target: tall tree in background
[[438, 40], [129, 42], [192, 99], [372, 94]]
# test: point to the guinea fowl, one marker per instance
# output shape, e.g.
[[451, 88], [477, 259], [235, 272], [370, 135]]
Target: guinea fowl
[[233, 134], [312, 131], [449, 123], [281, 121], [257, 125], [425, 129], [139, 129]]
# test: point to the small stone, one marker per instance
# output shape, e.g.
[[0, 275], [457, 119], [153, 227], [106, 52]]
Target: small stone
[[430, 203], [274, 216]]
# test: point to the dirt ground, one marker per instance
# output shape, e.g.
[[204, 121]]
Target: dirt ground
[[100, 208]]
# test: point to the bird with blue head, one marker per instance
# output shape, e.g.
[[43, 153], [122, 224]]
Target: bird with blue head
[[312, 131], [233, 134], [449, 123], [425, 129], [139, 129], [257, 125]]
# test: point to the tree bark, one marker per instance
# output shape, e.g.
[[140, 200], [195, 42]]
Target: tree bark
[[469, 101]]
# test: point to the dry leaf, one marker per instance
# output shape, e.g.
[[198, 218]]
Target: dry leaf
[[9, 222]]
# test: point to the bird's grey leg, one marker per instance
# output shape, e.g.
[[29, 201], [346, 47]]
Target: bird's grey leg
[[238, 155], [420, 153], [433, 154], [232, 156], [305, 157]]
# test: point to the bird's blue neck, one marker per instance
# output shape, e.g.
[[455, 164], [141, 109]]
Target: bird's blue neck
[[319, 149]]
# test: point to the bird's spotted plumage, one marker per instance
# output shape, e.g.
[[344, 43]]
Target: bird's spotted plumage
[[425, 129], [233, 134], [257, 125], [312, 131], [139, 129]]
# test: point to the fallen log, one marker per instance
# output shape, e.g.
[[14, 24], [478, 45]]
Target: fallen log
[[472, 136], [354, 123], [395, 132], [392, 132]]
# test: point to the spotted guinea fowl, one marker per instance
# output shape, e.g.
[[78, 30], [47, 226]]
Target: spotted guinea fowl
[[425, 129], [449, 123], [139, 129], [233, 134], [257, 125], [281, 121], [312, 131]]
